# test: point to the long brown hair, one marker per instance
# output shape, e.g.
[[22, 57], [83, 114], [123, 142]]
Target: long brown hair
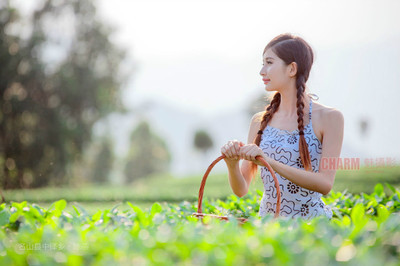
[[290, 49]]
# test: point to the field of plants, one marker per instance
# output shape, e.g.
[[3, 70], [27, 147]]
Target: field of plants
[[364, 230], [167, 188]]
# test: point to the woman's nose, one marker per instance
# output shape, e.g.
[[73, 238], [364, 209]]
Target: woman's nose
[[262, 71]]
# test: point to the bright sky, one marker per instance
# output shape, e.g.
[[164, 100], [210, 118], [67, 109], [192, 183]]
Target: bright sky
[[207, 54]]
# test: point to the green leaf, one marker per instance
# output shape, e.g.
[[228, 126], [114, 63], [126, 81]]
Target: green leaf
[[130, 204], [14, 217], [60, 205], [383, 214], [35, 213], [390, 187], [82, 212], [4, 217], [379, 189], [372, 203], [97, 216], [139, 213], [358, 218], [357, 215], [76, 210], [346, 221], [106, 217], [156, 208], [37, 207]]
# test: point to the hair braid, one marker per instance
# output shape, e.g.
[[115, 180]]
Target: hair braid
[[269, 112], [303, 147], [267, 116]]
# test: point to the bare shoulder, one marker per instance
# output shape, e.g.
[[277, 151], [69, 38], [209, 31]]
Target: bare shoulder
[[327, 116], [331, 114], [254, 126], [257, 117], [256, 120]]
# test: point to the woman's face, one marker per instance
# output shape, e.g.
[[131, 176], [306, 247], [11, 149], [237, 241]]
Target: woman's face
[[275, 70]]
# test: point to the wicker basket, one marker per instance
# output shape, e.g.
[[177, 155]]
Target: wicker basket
[[241, 220]]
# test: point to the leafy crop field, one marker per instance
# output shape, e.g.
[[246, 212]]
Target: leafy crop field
[[364, 230], [166, 188]]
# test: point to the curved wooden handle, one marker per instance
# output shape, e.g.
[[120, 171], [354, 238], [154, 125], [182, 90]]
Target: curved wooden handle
[[260, 158]]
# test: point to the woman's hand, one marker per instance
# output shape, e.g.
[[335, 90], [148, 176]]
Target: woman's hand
[[231, 151], [250, 152]]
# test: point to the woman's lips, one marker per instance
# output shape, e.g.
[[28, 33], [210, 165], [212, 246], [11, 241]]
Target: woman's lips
[[266, 81]]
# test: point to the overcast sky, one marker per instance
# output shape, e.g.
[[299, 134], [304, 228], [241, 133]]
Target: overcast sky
[[206, 56]]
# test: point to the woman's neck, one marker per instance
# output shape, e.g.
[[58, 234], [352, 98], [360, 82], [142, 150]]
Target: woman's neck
[[288, 105]]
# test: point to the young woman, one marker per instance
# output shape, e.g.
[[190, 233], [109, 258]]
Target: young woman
[[292, 135]]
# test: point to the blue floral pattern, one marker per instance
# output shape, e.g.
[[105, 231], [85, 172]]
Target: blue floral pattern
[[292, 139], [296, 201]]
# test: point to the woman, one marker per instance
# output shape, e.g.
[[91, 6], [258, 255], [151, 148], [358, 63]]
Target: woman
[[292, 135]]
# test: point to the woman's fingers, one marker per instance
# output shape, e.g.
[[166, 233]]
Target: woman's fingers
[[233, 149], [225, 150], [237, 150], [236, 147], [228, 149], [244, 152], [254, 154], [249, 153]]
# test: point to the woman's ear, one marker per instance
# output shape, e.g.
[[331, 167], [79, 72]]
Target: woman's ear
[[292, 69]]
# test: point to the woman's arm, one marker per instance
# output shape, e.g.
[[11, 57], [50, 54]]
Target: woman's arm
[[246, 168], [322, 181], [236, 180], [240, 177]]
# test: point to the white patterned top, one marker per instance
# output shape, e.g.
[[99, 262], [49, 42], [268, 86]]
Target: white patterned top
[[296, 201]]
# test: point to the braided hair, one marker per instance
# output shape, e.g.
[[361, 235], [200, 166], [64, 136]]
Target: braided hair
[[290, 49]]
